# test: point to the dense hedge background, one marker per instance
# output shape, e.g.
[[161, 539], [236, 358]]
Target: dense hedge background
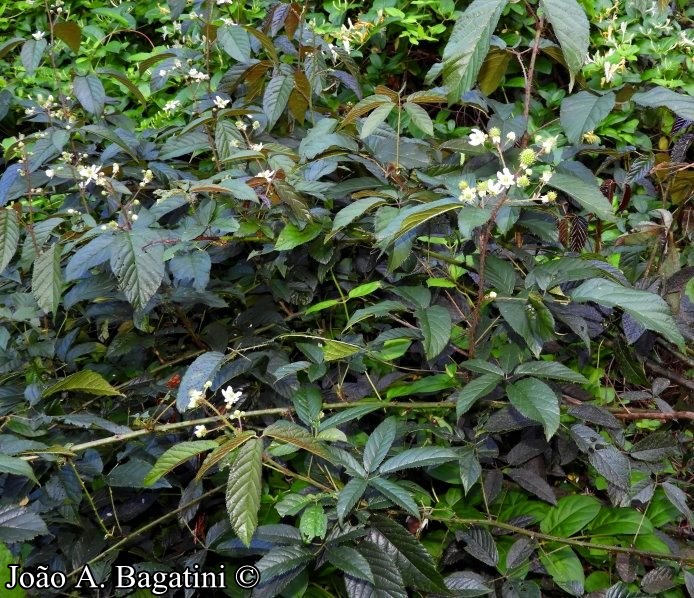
[[384, 299]]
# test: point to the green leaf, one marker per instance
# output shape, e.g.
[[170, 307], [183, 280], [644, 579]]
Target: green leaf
[[84, 381], [418, 457], [348, 560], [347, 415], [222, 451], [396, 494], [493, 70], [364, 106], [235, 41], [612, 465], [364, 289], [7, 559], [19, 524], [177, 454], [379, 443], [321, 305], [291, 236], [537, 401], [90, 93], [570, 516], [564, 567], [279, 566], [379, 310], [420, 118], [474, 390], [291, 433], [349, 496], [614, 521], [47, 279], [376, 118], [678, 498], [480, 544], [470, 468], [124, 80], [138, 264], [570, 24], [355, 209], [583, 112], [388, 580], [204, 368], [587, 195], [435, 324], [647, 308], [333, 350], [314, 523], [243, 489], [276, 97], [679, 103], [468, 45], [550, 369], [412, 217], [9, 236], [414, 561], [16, 466], [31, 54], [70, 33]]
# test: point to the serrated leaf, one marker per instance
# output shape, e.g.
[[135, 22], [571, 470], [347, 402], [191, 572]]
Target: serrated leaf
[[550, 369], [307, 402], [47, 280], [19, 524], [411, 217], [388, 581], [291, 433], [418, 457], [679, 103], [276, 97], [222, 451], [137, 262], [474, 390], [583, 112], [204, 368], [32, 53], [678, 498], [350, 561], [570, 24], [70, 33], [364, 289], [530, 481], [537, 401], [396, 494], [90, 92], [9, 236], [519, 552], [314, 523], [612, 465], [435, 324], [374, 119], [587, 195], [649, 309], [379, 310], [364, 106], [480, 544], [355, 209], [570, 516], [175, 456], [379, 443], [420, 118], [470, 468], [620, 521], [466, 584], [357, 410], [414, 561], [235, 41], [468, 45], [493, 70], [84, 381], [333, 350], [349, 496], [16, 466], [244, 488], [292, 236], [280, 561]]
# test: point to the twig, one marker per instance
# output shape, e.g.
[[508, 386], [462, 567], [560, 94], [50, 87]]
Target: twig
[[539, 26], [686, 560], [673, 415], [672, 376]]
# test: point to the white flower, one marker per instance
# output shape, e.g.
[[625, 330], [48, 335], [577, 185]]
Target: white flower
[[89, 173], [197, 75], [477, 137], [544, 199], [115, 168], [195, 397], [505, 178], [171, 105], [221, 2], [38, 35], [267, 175], [200, 431], [494, 187], [492, 294], [50, 173], [496, 139], [468, 194], [256, 146], [133, 217], [511, 136], [220, 102], [162, 72], [30, 111], [546, 176], [240, 125], [548, 144], [256, 125], [231, 396]]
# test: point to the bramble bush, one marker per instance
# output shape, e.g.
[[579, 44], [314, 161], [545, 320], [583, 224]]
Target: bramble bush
[[380, 304]]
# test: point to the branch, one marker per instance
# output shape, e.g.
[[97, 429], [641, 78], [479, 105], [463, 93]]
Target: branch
[[672, 376], [685, 560]]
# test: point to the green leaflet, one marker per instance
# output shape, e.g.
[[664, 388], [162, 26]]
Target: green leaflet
[[537, 401], [177, 454], [86, 381], [570, 24], [243, 489]]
